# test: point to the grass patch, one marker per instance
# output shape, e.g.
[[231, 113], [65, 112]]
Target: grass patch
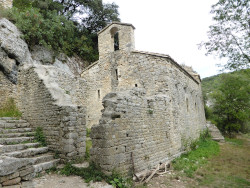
[[39, 136], [88, 131], [10, 109], [196, 158], [88, 146], [235, 141], [230, 168], [51, 170], [94, 173]]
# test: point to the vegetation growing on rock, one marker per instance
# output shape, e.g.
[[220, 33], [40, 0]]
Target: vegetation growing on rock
[[70, 27], [10, 109]]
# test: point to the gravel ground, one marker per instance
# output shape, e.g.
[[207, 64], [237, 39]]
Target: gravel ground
[[59, 181]]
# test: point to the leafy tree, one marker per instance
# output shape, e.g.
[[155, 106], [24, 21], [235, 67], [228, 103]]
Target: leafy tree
[[232, 102], [229, 36], [68, 26]]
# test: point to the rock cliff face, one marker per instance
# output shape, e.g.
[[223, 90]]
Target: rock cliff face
[[13, 50], [14, 53]]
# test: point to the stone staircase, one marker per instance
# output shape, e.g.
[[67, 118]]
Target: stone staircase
[[17, 140], [215, 132]]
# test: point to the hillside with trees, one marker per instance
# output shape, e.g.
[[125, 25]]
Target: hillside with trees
[[227, 100], [63, 26]]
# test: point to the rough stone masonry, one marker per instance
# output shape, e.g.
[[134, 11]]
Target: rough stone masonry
[[149, 105], [142, 107]]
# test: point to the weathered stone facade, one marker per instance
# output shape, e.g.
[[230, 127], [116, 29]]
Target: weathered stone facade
[[6, 3], [123, 70], [152, 105], [142, 106], [138, 131]]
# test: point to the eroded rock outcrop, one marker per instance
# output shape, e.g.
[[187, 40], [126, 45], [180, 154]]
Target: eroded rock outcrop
[[71, 65], [13, 50]]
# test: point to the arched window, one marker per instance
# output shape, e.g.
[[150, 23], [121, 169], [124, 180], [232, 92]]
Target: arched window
[[114, 34], [116, 41]]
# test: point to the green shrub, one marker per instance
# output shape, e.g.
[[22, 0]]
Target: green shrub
[[88, 131], [53, 31], [39, 136], [10, 109], [94, 173]]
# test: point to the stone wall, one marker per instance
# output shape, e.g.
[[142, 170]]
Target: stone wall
[[98, 82], [139, 131], [152, 108], [155, 73], [7, 89], [6, 3], [14, 170], [44, 103]]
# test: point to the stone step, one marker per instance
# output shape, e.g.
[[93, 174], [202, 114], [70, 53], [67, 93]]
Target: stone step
[[19, 130], [42, 158], [219, 139], [8, 118], [5, 125], [13, 141], [17, 147], [16, 121], [27, 152], [46, 165], [13, 135], [11, 125]]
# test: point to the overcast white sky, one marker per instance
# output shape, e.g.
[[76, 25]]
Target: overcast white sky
[[172, 27]]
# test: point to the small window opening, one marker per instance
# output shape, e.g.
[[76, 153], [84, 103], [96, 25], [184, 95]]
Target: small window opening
[[98, 92], [125, 148], [114, 116], [116, 41], [116, 74], [187, 104], [136, 85], [127, 134]]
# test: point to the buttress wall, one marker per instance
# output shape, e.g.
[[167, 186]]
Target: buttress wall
[[46, 103], [137, 132]]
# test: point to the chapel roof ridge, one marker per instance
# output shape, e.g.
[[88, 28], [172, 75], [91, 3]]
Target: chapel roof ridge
[[115, 22], [191, 75]]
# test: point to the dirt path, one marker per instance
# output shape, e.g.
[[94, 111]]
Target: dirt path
[[231, 168], [59, 181]]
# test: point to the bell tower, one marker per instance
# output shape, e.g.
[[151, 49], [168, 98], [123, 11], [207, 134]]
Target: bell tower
[[114, 37]]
